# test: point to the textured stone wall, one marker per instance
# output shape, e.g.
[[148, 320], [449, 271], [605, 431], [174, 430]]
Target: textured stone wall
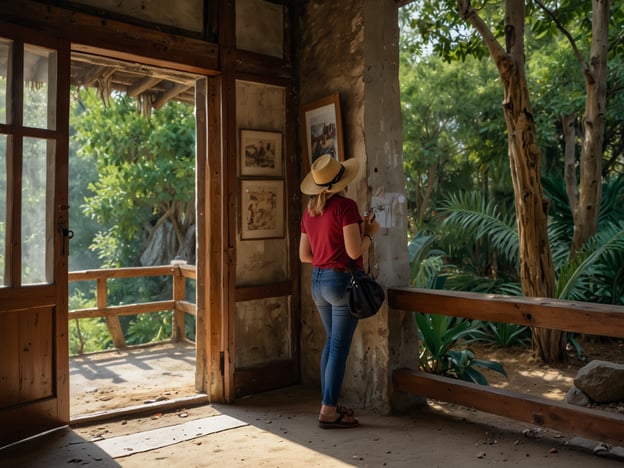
[[351, 47]]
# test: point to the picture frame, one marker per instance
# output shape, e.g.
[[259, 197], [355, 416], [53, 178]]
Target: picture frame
[[322, 129], [262, 209], [260, 153]]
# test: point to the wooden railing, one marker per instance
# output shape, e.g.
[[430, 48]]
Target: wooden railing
[[596, 319], [178, 305]]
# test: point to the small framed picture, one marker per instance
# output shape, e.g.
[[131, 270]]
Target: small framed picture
[[262, 209], [322, 129], [260, 153]]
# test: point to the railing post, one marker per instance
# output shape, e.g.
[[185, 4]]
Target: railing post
[[112, 322], [178, 326]]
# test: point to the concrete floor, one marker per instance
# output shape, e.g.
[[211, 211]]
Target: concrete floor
[[137, 376], [273, 429], [278, 429]]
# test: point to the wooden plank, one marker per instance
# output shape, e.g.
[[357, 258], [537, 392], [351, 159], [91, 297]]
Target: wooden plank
[[36, 356], [556, 314], [130, 272], [250, 293], [211, 238], [116, 311], [595, 424], [187, 307], [178, 325], [92, 34], [9, 366], [112, 322], [278, 374], [26, 420], [188, 271], [164, 97], [25, 298]]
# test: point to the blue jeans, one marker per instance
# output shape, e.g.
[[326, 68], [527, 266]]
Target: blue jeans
[[329, 293]]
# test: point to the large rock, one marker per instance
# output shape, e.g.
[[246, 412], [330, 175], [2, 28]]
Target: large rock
[[576, 397], [602, 381]]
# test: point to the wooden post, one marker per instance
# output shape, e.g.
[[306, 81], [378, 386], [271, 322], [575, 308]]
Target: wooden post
[[113, 323], [178, 327]]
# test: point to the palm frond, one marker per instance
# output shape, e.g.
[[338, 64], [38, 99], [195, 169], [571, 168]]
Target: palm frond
[[480, 220], [575, 278]]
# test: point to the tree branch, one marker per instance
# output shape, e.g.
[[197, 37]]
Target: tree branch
[[577, 53], [469, 14]]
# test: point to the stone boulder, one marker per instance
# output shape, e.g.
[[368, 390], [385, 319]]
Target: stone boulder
[[602, 381], [576, 397]]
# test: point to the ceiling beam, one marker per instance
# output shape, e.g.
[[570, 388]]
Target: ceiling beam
[[163, 98], [142, 85]]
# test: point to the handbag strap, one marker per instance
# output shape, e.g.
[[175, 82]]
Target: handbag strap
[[353, 265]]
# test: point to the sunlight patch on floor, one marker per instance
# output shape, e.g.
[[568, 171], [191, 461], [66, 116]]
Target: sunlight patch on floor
[[152, 439]]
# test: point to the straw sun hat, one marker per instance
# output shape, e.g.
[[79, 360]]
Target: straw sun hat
[[330, 175]]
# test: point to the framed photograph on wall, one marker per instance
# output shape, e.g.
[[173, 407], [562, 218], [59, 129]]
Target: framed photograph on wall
[[322, 129], [262, 209], [260, 153]]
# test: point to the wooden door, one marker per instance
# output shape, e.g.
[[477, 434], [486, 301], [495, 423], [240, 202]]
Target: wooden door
[[34, 233]]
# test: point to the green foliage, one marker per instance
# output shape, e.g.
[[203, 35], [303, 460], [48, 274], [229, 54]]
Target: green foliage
[[128, 174], [441, 337], [148, 328], [426, 263], [501, 334], [145, 172], [87, 335], [593, 266], [480, 220]]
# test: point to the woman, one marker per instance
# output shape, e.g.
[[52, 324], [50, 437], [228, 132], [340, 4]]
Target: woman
[[333, 236]]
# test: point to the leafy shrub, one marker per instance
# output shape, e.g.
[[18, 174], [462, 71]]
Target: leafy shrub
[[501, 334], [440, 338]]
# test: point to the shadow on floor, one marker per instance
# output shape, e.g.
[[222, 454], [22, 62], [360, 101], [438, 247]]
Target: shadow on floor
[[116, 379], [279, 429]]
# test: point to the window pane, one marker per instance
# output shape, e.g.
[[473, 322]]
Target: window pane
[[37, 230], [3, 194], [39, 87], [5, 49]]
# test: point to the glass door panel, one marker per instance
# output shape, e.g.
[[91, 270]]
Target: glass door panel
[[37, 229], [39, 87]]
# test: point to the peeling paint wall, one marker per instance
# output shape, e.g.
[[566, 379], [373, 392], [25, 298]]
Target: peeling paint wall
[[351, 47]]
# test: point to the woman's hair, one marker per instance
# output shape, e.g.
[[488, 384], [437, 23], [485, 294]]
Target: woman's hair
[[316, 203]]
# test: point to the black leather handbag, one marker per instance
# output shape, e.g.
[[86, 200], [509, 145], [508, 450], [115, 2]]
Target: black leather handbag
[[365, 294]]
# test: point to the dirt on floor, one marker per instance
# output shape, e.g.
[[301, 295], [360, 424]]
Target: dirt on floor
[[280, 427], [166, 372]]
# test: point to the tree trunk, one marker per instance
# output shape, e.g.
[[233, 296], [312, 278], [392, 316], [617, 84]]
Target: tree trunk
[[571, 182], [536, 265], [590, 190]]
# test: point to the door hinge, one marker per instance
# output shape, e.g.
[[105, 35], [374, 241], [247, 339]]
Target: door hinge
[[222, 362]]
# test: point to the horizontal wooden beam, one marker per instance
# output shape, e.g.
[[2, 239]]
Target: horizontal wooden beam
[[100, 36], [186, 307], [131, 272], [116, 311], [596, 424], [556, 314], [251, 293]]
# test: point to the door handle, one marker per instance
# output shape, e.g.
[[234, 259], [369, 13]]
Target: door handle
[[67, 234]]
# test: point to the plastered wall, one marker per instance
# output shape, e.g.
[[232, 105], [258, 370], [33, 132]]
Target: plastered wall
[[351, 47], [187, 14]]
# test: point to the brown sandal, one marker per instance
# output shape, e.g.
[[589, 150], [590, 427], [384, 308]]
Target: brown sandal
[[344, 410], [338, 423]]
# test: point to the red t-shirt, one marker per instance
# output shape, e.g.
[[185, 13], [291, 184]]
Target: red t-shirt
[[325, 232]]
